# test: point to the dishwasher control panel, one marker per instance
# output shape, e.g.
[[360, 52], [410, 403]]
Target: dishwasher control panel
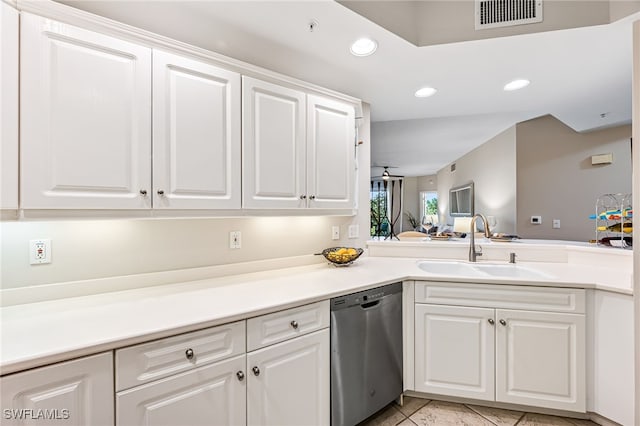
[[366, 296]]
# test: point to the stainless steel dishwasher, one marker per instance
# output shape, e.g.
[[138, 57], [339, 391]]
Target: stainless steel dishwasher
[[366, 353]]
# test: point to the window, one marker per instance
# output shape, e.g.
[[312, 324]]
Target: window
[[379, 209], [428, 204]]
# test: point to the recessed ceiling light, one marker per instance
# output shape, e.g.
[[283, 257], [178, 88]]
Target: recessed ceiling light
[[425, 92], [364, 47], [516, 84]]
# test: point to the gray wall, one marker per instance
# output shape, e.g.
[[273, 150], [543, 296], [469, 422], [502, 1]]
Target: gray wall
[[492, 168], [555, 178]]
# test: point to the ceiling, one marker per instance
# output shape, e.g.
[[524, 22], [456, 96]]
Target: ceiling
[[576, 74]]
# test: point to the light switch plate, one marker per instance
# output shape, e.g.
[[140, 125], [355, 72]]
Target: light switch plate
[[353, 231], [335, 232]]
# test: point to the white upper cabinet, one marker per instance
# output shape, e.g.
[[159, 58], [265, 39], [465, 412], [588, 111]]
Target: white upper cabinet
[[196, 134], [330, 153], [298, 149], [85, 119], [9, 41], [273, 139]]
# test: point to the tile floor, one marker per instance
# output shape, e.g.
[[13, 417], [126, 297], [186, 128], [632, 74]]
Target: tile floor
[[424, 412]]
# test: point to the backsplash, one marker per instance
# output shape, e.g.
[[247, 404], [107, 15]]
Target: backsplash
[[92, 249]]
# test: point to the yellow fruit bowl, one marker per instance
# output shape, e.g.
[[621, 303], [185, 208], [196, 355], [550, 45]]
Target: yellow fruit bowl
[[342, 256]]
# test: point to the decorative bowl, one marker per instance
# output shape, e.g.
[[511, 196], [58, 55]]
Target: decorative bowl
[[342, 256]]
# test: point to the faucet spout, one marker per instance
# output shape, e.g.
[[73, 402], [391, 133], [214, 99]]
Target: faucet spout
[[473, 252]]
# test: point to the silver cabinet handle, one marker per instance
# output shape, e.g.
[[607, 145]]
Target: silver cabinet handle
[[240, 375], [160, 192], [143, 192], [189, 353], [312, 197], [303, 197], [491, 321], [256, 371], [503, 322], [294, 324]]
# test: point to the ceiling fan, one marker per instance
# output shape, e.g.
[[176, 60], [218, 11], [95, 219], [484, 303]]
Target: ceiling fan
[[385, 174]]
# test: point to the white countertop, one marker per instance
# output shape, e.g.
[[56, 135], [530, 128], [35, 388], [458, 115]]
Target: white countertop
[[41, 333]]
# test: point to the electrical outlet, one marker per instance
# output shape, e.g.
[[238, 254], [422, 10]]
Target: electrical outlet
[[39, 251], [235, 239], [353, 231], [536, 220], [556, 223], [335, 232]]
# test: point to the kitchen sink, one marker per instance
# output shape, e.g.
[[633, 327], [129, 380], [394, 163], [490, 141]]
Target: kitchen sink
[[466, 269], [511, 271], [448, 268]]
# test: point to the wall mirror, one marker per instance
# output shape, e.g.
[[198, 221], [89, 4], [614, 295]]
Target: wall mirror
[[461, 201]]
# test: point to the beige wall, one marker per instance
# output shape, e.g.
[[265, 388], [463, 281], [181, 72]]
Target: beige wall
[[555, 178], [492, 168], [619, 9], [413, 186], [425, 23]]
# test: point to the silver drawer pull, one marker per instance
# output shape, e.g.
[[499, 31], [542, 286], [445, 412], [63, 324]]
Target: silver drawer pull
[[143, 192], [256, 371], [240, 375], [503, 322], [294, 324], [491, 321], [189, 353]]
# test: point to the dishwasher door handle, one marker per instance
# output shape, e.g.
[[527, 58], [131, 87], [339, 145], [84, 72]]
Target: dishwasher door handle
[[369, 305]]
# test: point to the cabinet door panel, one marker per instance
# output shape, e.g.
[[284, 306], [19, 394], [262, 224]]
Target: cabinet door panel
[[196, 134], [85, 118], [273, 145], [454, 351], [292, 387], [331, 153], [208, 395], [540, 359], [9, 108], [78, 392]]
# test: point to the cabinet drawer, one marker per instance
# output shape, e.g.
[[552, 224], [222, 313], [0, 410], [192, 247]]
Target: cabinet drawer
[[502, 296], [143, 363], [279, 326]]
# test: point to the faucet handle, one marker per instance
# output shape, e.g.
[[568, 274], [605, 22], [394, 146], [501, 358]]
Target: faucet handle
[[478, 250]]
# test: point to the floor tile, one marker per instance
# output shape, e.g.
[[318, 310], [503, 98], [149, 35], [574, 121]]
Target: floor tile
[[579, 422], [411, 405], [407, 422], [438, 413], [389, 416], [498, 416], [531, 419]]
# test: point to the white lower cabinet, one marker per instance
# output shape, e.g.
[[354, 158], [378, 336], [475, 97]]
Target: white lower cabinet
[[454, 351], [206, 377], [289, 382], [78, 392], [528, 357], [211, 395], [540, 359]]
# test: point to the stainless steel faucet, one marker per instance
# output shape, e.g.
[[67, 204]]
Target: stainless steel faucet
[[473, 253]]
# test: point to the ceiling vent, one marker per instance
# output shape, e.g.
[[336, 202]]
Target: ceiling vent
[[506, 13]]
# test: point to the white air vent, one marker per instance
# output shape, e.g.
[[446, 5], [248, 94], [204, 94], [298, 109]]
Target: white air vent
[[505, 13]]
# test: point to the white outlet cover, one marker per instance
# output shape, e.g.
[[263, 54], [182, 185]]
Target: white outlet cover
[[39, 251]]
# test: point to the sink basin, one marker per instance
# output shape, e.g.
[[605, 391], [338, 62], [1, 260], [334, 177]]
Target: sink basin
[[448, 268], [466, 269], [511, 271]]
